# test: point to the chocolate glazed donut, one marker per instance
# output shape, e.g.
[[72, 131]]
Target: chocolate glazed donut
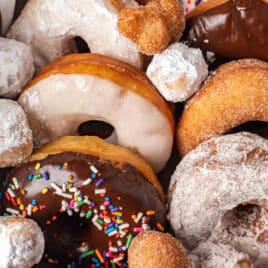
[[233, 29], [89, 198]]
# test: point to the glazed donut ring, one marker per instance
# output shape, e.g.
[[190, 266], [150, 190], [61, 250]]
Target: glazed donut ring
[[237, 93], [87, 196], [84, 87], [214, 178], [18, 69], [15, 134], [22, 242], [49, 27]]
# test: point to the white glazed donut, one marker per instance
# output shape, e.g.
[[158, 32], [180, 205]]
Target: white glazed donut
[[178, 72], [17, 62], [84, 87], [214, 178], [217, 255], [15, 134], [22, 242], [50, 27], [7, 9]]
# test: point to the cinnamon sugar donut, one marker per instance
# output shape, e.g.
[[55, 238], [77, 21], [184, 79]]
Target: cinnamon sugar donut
[[236, 93], [15, 134], [22, 242], [18, 69], [152, 249], [84, 87], [89, 197], [50, 27], [214, 178]]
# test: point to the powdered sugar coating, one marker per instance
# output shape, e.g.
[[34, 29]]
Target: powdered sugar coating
[[15, 134], [178, 72], [50, 27], [22, 242], [246, 229], [17, 62], [214, 178], [216, 255]]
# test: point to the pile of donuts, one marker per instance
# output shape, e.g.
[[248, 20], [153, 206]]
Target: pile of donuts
[[104, 103]]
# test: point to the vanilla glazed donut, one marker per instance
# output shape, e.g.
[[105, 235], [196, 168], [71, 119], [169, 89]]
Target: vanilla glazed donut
[[214, 178], [22, 242], [89, 197], [15, 134], [18, 68], [84, 87], [50, 27], [235, 94]]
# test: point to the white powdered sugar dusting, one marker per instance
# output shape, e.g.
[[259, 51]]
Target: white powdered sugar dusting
[[14, 130], [18, 68], [216, 255], [178, 72], [22, 242], [214, 178]]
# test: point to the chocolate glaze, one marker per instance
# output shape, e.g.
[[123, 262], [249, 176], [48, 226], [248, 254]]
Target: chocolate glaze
[[235, 29], [125, 185]]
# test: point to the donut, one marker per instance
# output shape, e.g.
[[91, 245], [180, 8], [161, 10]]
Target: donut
[[19, 69], [218, 255], [15, 134], [155, 249], [230, 28], [89, 197], [178, 72], [214, 178], [189, 5], [235, 94], [22, 242], [51, 35], [84, 87], [7, 9], [245, 228]]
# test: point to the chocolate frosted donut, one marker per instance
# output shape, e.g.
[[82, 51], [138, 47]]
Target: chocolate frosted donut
[[234, 28], [89, 197]]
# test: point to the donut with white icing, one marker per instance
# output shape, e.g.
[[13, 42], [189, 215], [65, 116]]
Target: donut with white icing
[[18, 68], [217, 255], [82, 87], [178, 72], [22, 242], [214, 178], [15, 134], [50, 27]]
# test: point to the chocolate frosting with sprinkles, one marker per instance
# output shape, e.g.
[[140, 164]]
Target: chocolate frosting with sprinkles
[[235, 29], [89, 209]]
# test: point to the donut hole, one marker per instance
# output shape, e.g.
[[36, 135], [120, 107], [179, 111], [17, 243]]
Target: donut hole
[[98, 128], [81, 45], [257, 127]]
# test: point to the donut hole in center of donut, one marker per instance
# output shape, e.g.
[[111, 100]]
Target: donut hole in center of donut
[[98, 128], [257, 127], [81, 45]]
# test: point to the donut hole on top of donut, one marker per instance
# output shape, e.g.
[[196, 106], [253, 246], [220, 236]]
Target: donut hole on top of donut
[[98, 128]]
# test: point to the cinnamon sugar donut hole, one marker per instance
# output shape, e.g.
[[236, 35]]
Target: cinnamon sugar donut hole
[[235, 94], [152, 249]]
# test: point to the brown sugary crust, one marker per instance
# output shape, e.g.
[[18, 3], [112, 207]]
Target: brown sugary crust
[[153, 26], [153, 249], [105, 67], [100, 148], [235, 94]]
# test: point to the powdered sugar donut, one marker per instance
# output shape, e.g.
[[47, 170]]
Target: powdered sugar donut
[[178, 72], [213, 179], [50, 27], [22, 242], [246, 229], [217, 255], [15, 134], [18, 69]]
